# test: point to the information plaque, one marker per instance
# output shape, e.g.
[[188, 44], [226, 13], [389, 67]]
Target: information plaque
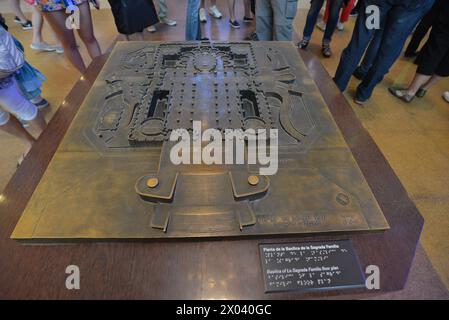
[[312, 266]]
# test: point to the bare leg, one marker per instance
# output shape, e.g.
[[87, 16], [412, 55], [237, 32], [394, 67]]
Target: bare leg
[[86, 32], [417, 83], [38, 22], [433, 81], [15, 5], [231, 6], [247, 4], [203, 4], [57, 19]]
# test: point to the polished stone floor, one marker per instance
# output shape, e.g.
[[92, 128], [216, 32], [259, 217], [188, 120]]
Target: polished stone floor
[[413, 137]]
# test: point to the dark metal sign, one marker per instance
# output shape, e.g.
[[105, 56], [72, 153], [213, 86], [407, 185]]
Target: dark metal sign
[[312, 266]]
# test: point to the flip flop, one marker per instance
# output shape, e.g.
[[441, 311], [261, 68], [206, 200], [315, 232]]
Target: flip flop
[[404, 97]]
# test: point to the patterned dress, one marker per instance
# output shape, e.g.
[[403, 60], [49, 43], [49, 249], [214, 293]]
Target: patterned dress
[[56, 5]]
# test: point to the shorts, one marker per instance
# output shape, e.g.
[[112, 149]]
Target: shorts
[[13, 102], [56, 5]]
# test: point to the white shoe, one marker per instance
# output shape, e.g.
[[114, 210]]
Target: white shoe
[[58, 48], [43, 46], [203, 17], [321, 25], [340, 26], [168, 22], [214, 12], [151, 29], [446, 96]]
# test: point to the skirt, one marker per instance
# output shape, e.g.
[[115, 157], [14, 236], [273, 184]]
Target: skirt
[[132, 16], [434, 57], [29, 79]]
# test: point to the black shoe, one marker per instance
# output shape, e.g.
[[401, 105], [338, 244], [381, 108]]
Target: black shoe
[[359, 74], [234, 24], [247, 19], [27, 25], [204, 39], [421, 93], [303, 44], [17, 20]]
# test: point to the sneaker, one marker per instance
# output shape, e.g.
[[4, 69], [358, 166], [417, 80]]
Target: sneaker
[[168, 22], [321, 25], [27, 25], [42, 104], [234, 24], [326, 50], [303, 44], [203, 18], [214, 12], [248, 19], [58, 48], [17, 20], [340, 26], [446, 96], [151, 29], [43, 46]]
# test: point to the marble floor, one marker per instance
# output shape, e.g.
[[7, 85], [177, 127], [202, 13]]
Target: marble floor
[[413, 137]]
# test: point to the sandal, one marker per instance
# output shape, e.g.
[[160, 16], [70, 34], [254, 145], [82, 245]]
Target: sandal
[[401, 93], [303, 44], [326, 50]]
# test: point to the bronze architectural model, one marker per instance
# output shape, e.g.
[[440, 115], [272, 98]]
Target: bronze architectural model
[[112, 177]]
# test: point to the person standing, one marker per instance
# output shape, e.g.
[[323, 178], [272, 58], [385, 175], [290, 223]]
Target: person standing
[[54, 13], [312, 16], [133, 16], [19, 16], [348, 5], [232, 20], [398, 18], [274, 19], [13, 105], [38, 43], [193, 28], [163, 16], [213, 10], [433, 62], [422, 29]]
